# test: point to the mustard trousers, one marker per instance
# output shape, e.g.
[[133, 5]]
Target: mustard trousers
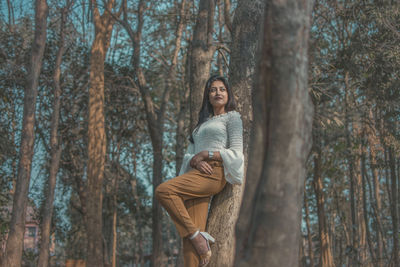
[[186, 198]]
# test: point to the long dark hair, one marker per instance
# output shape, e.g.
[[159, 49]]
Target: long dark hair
[[206, 107]]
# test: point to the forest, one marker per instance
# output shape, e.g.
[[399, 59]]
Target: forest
[[98, 99]]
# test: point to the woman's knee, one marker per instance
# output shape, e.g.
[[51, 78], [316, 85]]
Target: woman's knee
[[161, 191]]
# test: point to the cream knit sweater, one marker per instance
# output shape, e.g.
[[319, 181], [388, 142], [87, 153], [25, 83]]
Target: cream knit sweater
[[223, 133]]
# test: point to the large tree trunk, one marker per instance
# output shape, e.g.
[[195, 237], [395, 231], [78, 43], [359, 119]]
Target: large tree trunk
[[55, 150], [14, 247], [268, 230], [246, 29], [96, 135], [201, 57]]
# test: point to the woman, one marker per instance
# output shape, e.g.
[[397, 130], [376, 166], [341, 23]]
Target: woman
[[214, 157]]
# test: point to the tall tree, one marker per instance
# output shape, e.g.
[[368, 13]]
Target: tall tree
[[103, 25], [155, 115], [201, 54], [55, 148], [14, 247], [269, 221], [245, 35], [326, 259]]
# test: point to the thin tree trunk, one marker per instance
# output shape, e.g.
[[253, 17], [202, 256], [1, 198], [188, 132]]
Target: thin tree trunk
[[155, 117], [201, 57], [268, 230], [364, 177], [96, 135], [114, 222], [14, 246], [350, 160], [55, 150], [394, 208], [309, 237], [359, 194], [245, 35], [326, 259], [372, 142]]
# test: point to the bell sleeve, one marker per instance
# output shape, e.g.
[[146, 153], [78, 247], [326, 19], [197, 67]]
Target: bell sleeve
[[232, 156], [185, 167]]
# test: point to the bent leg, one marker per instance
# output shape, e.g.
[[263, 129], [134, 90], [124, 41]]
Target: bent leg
[[194, 184], [198, 211]]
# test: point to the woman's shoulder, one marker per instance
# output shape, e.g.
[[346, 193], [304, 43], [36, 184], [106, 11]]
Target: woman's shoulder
[[233, 113]]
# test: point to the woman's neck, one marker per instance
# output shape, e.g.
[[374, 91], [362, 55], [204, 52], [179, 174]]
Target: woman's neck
[[219, 111]]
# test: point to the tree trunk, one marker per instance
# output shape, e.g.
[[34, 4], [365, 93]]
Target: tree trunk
[[377, 206], [155, 117], [309, 237], [359, 193], [268, 230], [326, 259], [55, 151], [246, 29], [96, 135], [201, 57], [15, 241], [394, 208], [350, 160]]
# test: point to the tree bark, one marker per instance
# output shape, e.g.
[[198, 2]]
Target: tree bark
[[96, 134], [55, 149], [201, 57], [268, 230], [245, 36], [14, 247]]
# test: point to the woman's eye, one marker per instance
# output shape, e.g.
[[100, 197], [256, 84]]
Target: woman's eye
[[222, 89]]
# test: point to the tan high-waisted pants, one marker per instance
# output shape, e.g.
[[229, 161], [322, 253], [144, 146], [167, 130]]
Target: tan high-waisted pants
[[186, 199]]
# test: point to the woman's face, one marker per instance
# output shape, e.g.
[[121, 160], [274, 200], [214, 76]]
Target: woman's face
[[218, 94]]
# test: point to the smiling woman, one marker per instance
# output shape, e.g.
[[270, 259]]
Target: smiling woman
[[214, 157]]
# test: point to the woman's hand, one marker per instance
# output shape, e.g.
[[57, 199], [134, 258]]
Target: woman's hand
[[204, 167], [201, 156]]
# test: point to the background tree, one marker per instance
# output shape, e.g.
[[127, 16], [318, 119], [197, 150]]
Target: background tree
[[14, 247]]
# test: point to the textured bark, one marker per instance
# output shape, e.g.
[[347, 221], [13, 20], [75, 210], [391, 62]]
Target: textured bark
[[326, 258], [96, 135], [55, 150], [14, 246], [225, 206], [202, 51], [268, 230]]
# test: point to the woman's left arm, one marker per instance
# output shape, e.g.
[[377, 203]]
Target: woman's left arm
[[232, 156]]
